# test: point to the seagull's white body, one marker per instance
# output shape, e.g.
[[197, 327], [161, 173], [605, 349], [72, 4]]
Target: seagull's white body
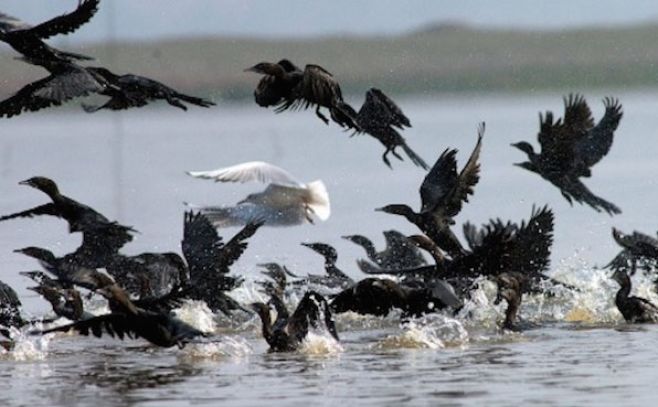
[[285, 201]]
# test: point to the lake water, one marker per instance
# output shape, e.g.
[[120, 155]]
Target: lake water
[[131, 167]]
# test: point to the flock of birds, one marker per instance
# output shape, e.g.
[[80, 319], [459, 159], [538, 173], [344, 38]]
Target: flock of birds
[[142, 290]]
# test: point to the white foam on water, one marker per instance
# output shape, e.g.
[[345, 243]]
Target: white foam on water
[[229, 347], [320, 344], [435, 331], [26, 347], [197, 314]]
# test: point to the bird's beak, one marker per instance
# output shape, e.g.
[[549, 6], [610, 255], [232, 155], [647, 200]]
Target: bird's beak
[[252, 69], [25, 182], [379, 209]]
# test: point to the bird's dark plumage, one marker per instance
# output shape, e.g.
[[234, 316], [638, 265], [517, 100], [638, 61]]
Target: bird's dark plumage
[[65, 82], [442, 193], [138, 91], [634, 309], [335, 277], [209, 260], [379, 117], [288, 332], [28, 40], [10, 310], [399, 252], [510, 290], [571, 146], [98, 232], [287, 87]]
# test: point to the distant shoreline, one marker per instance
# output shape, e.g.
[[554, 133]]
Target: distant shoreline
[[441, 59]]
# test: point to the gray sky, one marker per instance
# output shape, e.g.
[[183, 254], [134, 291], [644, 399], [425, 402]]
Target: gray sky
[[150, 19]]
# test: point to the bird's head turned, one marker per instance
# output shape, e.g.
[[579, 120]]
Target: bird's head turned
[[43, 184]]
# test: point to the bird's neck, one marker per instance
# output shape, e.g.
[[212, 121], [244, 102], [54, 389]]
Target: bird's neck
[[624, 291], [511, 312]]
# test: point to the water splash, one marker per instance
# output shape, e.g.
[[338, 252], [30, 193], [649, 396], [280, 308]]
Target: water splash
[[434, 331], [25, 347], [320, 344], [197, 314], [228, 347]]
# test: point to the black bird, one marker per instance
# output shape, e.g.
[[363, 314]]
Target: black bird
[[288, 332], [375, 296], [127, 319], [279, 275], [379, 116], [209, 260], [10, 310], [335, 277], [138, 91], [399, 252], [634, 309], [510, 290], [66, 302], [442, 193], [571, 146], [99, 233], [636, 248], [28, 40], [65, 82], [286, 86]]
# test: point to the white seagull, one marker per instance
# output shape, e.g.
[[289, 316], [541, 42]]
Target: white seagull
[[285, 201]]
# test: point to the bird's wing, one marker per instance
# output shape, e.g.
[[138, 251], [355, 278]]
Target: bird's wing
[[250, 171], [46, 209], [379, 110], [318, 87], [441, 179], [115, 325], [531, 245], [67, 23], [577, 116], [237, 245], [11, 23], [597, 142], [49, 91], [468, 177], [311, 309], [201, 245]]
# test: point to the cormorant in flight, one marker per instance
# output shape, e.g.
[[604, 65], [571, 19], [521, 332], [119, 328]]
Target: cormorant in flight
[[442, 194], [28, 40], [379, 116], [286, 86], [571, 146]]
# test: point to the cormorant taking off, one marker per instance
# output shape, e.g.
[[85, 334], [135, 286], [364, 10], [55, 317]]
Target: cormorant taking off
[[209, 259], [28, 40], [379, 116], [285, 201], [10, 310], [98, 231], [634, 309], [571, 146], [636, 248], [128, 319], [399, 253], [287, 333], [138, 91], [286, 86], [335, 277], [442, 193]]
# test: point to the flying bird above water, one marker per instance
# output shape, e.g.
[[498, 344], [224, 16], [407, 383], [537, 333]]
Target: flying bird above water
[[286, 86], [138, 91], [285, 201], [571, 146], [379, 116], [28, 40], [442, 193]]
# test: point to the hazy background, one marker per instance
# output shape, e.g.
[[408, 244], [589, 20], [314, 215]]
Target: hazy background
[[153, 19]]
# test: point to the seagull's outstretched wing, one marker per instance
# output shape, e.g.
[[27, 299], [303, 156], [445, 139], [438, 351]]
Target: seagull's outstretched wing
[[250, 171]]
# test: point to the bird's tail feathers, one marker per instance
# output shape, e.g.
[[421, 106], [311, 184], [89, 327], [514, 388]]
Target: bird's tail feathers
[[415, 158], [318, 200]]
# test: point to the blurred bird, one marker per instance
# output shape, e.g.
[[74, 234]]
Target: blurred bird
[[285, 201]]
